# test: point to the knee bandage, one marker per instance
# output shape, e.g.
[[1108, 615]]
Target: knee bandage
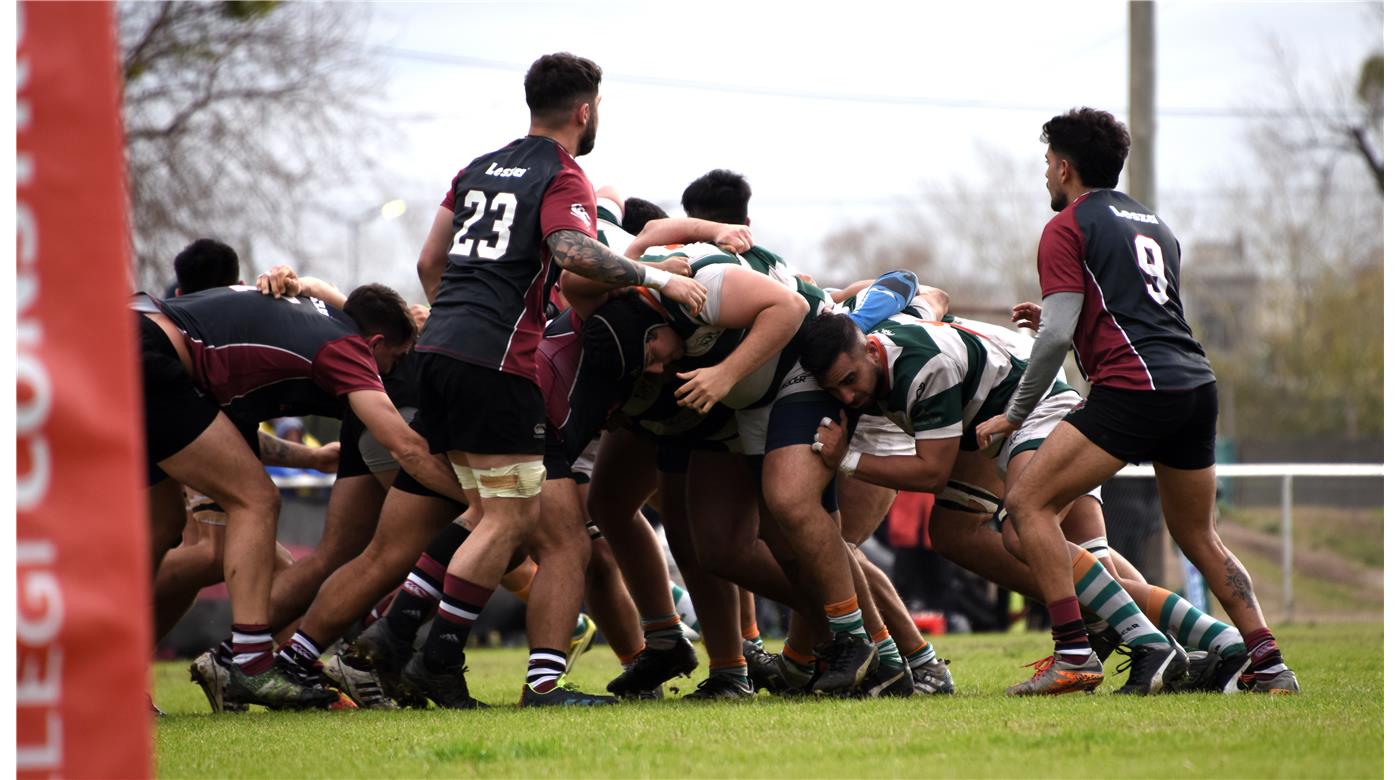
[[466, 476], [518, 480]]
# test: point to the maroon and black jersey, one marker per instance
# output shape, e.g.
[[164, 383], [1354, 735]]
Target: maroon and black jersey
[[1132, 333], [581, 387], [261, 357], [490, 307]]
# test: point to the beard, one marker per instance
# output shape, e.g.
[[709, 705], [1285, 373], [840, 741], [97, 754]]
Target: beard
[[1058, 201], [590, 134]]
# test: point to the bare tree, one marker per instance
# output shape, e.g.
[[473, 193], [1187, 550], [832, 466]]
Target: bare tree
[[236, 113]]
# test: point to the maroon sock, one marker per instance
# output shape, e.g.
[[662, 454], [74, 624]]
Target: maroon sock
[[252, 648], [1067, 628], [461, 604], [1265, 659]]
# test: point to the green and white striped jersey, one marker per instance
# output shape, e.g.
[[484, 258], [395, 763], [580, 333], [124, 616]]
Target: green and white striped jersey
[[707, 344], [946, 377]]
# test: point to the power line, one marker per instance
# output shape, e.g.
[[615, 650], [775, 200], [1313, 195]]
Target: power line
[[1198, 112]]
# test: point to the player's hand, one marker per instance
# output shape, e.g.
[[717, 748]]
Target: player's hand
[[995, 428], [326, 458], [736, 239], [279, 281], [680, 266], [704, 387], [1026, 315], [685, 291], [419, 312], [830, 441]]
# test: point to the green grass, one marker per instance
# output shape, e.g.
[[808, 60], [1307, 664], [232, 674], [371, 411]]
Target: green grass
[[1333, 730], [1355, 534]]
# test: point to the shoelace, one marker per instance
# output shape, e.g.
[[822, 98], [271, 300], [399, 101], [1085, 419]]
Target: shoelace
[[1127, 662], [1042, 666]]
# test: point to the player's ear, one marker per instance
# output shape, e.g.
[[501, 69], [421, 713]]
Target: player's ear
[[582, 113]]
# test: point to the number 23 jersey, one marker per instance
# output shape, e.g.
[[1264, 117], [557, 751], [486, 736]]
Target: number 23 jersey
[[1132, 332], [490, 306]]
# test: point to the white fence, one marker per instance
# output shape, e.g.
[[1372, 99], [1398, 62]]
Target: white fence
[[1286, 472]]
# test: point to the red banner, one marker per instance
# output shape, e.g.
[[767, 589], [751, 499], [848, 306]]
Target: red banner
[[83, 578]]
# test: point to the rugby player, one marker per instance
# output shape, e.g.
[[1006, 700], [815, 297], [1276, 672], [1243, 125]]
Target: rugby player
[[1109, 273]]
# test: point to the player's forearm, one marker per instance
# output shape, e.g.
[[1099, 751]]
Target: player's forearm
[[430, 470], [673, 230], [280, 452], [589, 258], [901, 472], [318, 288], [1058, 319], [773, 327]]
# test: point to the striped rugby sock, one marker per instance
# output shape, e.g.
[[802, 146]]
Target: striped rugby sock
[[844, 617], [461, 605], [1191, 626], [663, 631], [544, 669], [1100, 594]]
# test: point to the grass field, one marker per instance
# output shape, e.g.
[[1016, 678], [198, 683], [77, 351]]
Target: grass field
[[1333, 730]]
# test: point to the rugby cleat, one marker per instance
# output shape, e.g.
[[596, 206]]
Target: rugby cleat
[[849, 658], [1054, 676], [378, 649], [652, 668], [1226, 675], [581, 641], [562, 696], [886, 681], [1103, 643], [447, 690], [933, 677], [212, 677], [1152, 669], [357, 680], [1283, 683], [723, 687], [280, 688], [764, 671]]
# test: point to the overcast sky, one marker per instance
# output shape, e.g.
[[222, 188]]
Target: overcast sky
[[834, 112]]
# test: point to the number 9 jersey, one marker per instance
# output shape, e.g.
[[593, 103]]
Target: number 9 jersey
[[490, 307], [1132, 332]]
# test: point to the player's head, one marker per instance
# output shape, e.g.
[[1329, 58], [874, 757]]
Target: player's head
[[833, 349], [637, 212], [1087, 145], [636, 332], [719, 196], [562, 91], [203, 265], [384, 321]]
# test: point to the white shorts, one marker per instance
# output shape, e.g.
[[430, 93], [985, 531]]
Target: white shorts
[[1037, 426], [753, 423], [876, 435]]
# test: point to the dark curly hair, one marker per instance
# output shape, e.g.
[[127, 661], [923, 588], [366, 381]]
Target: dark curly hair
[[556, 83], [1093, 141], [719, 196], [820, 341]]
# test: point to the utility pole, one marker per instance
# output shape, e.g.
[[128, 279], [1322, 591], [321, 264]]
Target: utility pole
[[1142, 102]]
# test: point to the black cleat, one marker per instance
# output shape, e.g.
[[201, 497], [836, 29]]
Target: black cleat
[[212, 675], [447, 690], [1152, 670], [282, 687], [1225, 677], [562, 696], [886, 681], [849, 658], [379, 650], [652, 668], [1104, 642], [764, 673], [723, 687]]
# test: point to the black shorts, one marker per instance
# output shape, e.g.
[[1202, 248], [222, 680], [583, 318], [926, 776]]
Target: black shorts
[[557, 464], [405, 482], [1175, 428], [352, 463], [176, 411], [469, 408]]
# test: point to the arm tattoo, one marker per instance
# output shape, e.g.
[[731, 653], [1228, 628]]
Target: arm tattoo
[[273, 450], [590, 259]]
